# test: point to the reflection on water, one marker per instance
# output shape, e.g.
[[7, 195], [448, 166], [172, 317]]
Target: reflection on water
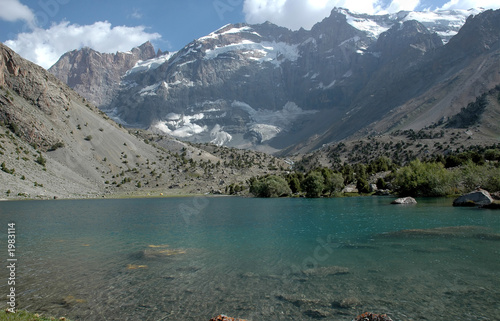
[[283, 259]]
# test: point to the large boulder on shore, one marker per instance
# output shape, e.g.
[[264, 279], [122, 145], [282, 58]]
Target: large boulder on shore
[[405, 201], [479, 197]]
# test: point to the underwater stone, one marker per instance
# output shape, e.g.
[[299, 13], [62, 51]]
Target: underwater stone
[[349, 303], [367, 316], [225, 318], [328, 270]]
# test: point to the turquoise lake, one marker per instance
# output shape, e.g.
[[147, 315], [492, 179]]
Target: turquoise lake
[[256, 259]]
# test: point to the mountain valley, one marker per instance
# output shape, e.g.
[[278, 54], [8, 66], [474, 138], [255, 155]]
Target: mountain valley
[[205, 119], [56, 144]]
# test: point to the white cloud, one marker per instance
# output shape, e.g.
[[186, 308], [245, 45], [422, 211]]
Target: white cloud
[[45, 46], [13, 10], [295, 14], [402, 5], [468, 4]]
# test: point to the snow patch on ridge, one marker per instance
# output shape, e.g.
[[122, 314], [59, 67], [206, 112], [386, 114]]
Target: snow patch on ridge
[[150, 90], [446, 23], [370, 26], [150, 64], [219, 32], [265, 51]]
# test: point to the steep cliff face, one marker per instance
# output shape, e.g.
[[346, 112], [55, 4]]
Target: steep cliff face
[[95, 75], [40, 90]]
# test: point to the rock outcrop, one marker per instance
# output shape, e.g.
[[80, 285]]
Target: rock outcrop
[[479, 197], [404, 201], [96, 76]]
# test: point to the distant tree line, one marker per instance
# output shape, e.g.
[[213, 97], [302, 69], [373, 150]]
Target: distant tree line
[[434, 176]]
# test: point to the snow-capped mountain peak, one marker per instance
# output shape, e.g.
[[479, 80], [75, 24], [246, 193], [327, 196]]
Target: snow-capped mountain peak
[[264, 86], [446, 23]]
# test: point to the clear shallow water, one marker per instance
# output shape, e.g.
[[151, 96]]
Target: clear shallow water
[[259, 259]]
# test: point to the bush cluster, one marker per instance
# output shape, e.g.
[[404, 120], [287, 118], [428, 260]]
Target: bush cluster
[[316, 183], [437, 176], [433, 179]]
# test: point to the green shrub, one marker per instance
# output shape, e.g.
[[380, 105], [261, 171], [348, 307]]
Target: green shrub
[[362, 185], [314, 184], [294, 183], [425, 179], [485, 176], [40, 160], [4, 168], [492, 155], [270, 186], [333, 182], [381, 184], [56, 146]]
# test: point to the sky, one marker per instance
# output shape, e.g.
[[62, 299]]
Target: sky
[[43, 30]]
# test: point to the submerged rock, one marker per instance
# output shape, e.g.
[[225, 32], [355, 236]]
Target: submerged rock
[[477, 232], [327, 270], [136, 267], [151, 253], [347, 303], [316, 314], [405, 201], [367, 316], [479, 197], [225, 318], [299, 301], [156, 252]]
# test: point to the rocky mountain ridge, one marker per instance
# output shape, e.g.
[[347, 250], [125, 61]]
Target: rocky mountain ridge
[[268, 88], [95, 75], [55, 143]]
